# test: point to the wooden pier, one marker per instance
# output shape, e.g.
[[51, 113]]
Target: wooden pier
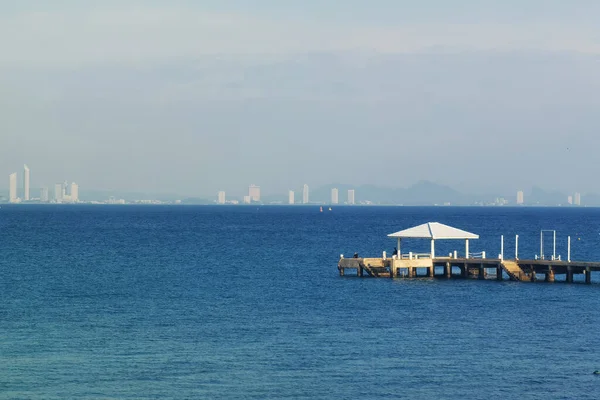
[[468, 268], [471, 265]]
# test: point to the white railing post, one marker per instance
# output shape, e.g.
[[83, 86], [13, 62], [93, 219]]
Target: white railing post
[[483, 254], [554, 245]]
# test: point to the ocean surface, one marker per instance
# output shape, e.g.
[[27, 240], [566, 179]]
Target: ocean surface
[[178, 302]]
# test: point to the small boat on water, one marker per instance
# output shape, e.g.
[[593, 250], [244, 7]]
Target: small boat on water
[[320, 209]]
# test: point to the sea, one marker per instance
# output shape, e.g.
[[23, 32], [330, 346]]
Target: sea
[[246, 302]]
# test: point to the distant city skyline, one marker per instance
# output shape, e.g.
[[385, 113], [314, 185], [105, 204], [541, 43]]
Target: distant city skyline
[[65, 192], [62, 191]]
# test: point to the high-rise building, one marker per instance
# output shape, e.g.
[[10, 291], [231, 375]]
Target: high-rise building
[[44, 195], [570, 199], [59, 192], [291, 197], [305, 194], [334, 196], [351, 196], [25, 183], [12, 187], [221, 197], [247, 199], [254, 192], [520, 197], [577, 199], [74, 192]]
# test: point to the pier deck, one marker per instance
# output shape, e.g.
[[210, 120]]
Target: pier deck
[[480, 268]]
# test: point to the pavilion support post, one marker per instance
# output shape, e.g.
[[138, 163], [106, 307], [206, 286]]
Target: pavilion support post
[[399, 255], [467, 248], [588, 275], [432, 248], [516, 247]]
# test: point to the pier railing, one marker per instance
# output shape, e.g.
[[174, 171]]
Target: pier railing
[[415, 256]]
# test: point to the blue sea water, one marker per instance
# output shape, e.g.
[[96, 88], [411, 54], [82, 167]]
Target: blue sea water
[[159, 302]]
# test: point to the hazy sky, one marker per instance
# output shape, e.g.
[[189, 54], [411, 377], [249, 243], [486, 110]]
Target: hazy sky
[[197, 96]]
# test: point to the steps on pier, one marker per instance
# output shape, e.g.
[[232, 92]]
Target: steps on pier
[[514, 271], [375, 268]]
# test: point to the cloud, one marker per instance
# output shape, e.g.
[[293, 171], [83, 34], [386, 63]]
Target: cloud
[[142, 34]]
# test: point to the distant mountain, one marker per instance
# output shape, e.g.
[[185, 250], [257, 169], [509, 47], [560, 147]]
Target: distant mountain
[[421, 193]]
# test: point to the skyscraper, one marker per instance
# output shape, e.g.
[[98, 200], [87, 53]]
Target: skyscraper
[[291, 197], [520, 197], [12, 187], [334, 196], [351, 196], [74, 192], [58, 192], [221, 197], [577, 199], [44, 194], [254, 192], [570, 199], [25, 182], [305, 194]]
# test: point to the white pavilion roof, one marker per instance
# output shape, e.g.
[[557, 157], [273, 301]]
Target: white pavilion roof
[[434, 230]]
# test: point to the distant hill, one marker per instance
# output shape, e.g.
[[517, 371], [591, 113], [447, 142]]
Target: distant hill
[[421, 193]]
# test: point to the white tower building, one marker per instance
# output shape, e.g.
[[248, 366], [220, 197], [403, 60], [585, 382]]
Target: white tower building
[[58, 192], [291, 197], [305, 194], [254, 192], [25, 182], [334, 196], [351, 196], [74, 192], [221, 197], [12, 187], [44, 195], [520, 198]]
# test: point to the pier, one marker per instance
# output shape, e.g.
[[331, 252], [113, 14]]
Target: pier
[[467, 266]]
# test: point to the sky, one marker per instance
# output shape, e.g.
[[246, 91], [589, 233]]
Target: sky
[[192, 97]]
